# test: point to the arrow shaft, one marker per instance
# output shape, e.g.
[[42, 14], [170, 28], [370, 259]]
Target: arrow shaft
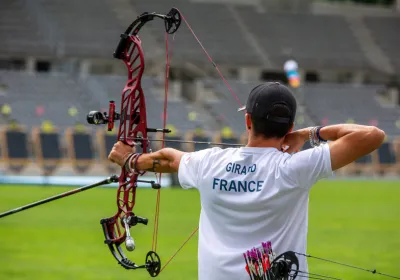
[[62, 195], [190, 142]]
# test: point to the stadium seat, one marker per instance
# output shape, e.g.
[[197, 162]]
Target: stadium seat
[[14, 148], [199, 136], [105, 141], [387, 161], [362, 166], [174, 145], [47, 149], [80, 148], [226, 135]]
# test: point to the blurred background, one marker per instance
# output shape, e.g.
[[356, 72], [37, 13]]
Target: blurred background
[[341, 58]]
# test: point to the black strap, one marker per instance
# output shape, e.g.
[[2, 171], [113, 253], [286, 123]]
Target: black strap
[[278, 119], [319, 137]]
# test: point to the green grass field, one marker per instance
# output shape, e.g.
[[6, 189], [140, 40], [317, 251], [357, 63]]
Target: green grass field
[[354, 222]]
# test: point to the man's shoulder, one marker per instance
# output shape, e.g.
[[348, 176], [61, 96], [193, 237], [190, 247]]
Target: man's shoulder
[[217, 150]]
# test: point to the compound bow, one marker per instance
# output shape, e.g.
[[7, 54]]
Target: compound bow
[[133, 130]]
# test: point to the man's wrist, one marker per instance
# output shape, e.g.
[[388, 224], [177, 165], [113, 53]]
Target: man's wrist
[[304, 134]]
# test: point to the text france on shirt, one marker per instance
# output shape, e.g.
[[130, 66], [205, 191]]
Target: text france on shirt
[[239, 185]]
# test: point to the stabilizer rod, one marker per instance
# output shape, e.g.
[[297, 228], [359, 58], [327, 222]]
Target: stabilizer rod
[[109, 180]]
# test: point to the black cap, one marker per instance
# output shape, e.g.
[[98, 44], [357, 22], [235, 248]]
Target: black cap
[[263, 98]]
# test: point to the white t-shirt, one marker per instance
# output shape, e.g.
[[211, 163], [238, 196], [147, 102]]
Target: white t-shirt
[[249, 196]]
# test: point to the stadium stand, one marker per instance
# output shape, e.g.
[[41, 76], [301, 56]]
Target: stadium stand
[[54, 92], [76, 31], [386, 33], [177, 108], [333, 102], [82, 35], [224, 106], [340, 103], [221, 36], [19, 33], [313, 40]]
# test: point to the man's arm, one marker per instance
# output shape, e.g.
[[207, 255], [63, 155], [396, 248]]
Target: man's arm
[[165, 160], [349, 141]]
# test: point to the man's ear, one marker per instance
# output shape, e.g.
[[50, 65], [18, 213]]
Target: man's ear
[[248, 121]]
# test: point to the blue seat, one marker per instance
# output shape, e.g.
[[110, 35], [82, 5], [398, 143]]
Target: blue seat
[[365, 159], [174, 145], [386, 154], [201, 146]]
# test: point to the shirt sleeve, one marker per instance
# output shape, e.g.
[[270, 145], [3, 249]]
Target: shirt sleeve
[[311, 165], [189, 171]]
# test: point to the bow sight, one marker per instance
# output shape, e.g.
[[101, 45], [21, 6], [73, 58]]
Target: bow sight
[[97, 118]]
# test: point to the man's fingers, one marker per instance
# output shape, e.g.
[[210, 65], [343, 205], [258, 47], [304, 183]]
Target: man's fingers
[[119, 152], [111, 156]]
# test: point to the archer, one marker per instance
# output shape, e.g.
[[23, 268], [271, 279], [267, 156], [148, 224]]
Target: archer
[[233, 221]]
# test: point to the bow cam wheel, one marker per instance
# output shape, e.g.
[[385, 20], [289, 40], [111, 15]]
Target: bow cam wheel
[[172, 21], [285, 266], [153, 263]]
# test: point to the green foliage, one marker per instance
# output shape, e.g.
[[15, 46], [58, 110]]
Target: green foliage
[[354, 222]]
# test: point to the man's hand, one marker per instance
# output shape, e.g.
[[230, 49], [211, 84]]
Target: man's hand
[[294, 141], [120, 153]]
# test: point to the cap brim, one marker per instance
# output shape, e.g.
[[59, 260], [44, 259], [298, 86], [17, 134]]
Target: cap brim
[[241, 109]]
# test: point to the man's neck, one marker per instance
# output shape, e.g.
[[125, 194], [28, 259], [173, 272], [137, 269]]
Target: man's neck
[[261, 142]]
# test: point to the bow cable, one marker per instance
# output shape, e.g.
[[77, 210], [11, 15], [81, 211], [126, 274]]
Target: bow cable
[[373, 271], [191, 142], [166, 91], [211, 60]]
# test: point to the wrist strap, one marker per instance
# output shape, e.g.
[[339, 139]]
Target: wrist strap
[[127, 165], [318, 136], [314, 140], [133, 157]]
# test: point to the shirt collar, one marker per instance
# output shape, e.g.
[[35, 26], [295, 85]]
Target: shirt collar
[[259, 150]]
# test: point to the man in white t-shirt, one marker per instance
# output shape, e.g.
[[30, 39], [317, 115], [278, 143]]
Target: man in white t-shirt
[[259, 192]]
